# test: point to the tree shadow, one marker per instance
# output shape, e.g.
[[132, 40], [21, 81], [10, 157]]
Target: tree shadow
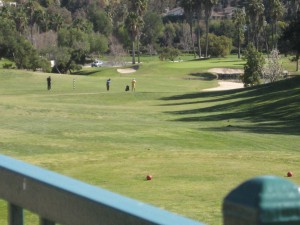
[[85, 73], [204, 76], [271, 108], [278, 127]]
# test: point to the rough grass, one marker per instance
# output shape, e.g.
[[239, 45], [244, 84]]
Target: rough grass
[[197, 145]]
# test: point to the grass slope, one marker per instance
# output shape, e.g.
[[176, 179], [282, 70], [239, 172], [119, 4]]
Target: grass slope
[[197, 145]]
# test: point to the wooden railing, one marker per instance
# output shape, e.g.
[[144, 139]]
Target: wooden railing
[[58, 199]]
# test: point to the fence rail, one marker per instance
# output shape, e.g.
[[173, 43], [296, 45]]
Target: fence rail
[[59, 199]]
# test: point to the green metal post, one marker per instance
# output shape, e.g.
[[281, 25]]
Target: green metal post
[[264, 200], [15, 215]]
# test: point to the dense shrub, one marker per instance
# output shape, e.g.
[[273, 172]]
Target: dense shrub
[[7, 65], [218, 46], [253, 67], [169, 53]]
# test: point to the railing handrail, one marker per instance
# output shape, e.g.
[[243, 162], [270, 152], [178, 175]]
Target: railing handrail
[[68, 201]]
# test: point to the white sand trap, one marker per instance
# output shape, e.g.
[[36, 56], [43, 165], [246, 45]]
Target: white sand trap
[[225, 71], [127, 70], [226, 85]]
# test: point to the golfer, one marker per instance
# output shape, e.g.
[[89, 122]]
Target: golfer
[[49, 83], [133, 83], [108, 84]]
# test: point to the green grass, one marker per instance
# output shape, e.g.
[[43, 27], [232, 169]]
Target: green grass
[[197, 145]]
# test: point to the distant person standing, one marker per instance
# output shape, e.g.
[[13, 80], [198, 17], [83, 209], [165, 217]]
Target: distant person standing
[[108, 84], [133, 84], [49, 83]]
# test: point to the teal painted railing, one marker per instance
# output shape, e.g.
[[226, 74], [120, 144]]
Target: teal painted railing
[[58, 199], [264, 200]]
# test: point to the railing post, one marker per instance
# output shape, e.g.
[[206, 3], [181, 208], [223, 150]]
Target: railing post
[[58, 199], [264, 200], [15, 215], [44, 221]]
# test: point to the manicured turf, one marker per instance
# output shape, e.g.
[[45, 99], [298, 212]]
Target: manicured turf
[[197, 145]]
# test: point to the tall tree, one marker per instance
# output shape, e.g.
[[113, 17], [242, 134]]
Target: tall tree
[[198, 12], [57, 22], [208, 7], [276, 12], [253, 69], [188, 6], [255, 15], [43, 21], [32, 9], [292, 7], [20, 19], [8, 34], [290, 40], [152, 30], [131, 23], [239, 19], [169, 34], [100, 20], [140, 8]]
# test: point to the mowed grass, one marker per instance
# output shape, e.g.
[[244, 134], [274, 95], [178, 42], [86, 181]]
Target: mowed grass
[[197, 145]]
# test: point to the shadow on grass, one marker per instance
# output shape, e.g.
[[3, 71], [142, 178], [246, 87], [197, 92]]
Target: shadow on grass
[[279, 127], [197, 95], [200, 59], [85, 73], [271, 108], [204, 76], [227, 61]]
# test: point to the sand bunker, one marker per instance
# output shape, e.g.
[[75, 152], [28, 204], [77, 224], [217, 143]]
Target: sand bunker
[[226, 85], [127, 70], [223, 85], [226, 71]]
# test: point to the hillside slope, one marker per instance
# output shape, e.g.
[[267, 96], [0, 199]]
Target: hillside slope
[[268, 108]]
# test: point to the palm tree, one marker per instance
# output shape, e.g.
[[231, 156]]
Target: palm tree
[[276, 11], [38, 17], [198, 11], [20, 19], [140, 8], [30, 11], [239, 20], [255, 14], [208, 6], [131, 23], [292, 7], [291, 39], [188, 7], [44, 21], [57, 22]]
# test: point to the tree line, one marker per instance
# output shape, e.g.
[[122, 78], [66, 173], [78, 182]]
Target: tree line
[[72, 32]]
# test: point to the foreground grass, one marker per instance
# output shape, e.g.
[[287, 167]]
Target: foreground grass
[[197, 145]]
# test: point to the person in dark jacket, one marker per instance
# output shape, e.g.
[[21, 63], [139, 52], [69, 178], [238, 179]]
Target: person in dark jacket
[[108, 84], [49, 83]]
